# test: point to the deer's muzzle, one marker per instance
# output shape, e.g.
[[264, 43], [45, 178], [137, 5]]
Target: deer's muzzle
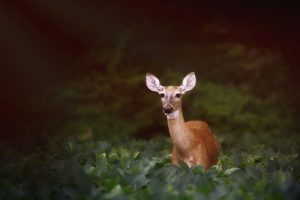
[[167, 109]]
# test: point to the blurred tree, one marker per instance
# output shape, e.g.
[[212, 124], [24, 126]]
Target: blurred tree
[[239, 88]]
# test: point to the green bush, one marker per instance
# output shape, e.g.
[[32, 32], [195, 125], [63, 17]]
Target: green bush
[[122, 168], [118, 103], [233, 109], [236, 90]]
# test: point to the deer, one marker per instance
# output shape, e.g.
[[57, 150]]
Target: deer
[[193, 141]]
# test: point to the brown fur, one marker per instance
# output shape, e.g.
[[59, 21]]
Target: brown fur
[[201, 131], [193, 143]]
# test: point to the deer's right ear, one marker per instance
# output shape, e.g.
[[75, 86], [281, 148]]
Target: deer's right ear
[[153, 83]]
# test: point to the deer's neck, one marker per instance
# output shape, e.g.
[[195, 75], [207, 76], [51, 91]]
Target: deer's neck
[[179, 133]]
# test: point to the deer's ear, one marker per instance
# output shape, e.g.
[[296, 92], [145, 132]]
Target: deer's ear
[[188, 82], [153, 83]]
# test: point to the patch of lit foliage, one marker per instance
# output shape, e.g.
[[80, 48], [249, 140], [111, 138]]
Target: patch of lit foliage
[[138, 169]]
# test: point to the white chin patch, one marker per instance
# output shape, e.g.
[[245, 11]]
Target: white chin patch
[[172, 115]]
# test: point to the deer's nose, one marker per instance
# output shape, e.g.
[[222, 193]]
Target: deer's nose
[[167, 109]]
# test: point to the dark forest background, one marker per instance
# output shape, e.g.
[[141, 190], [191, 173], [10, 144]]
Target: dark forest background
[[75, 110], [78, 67]]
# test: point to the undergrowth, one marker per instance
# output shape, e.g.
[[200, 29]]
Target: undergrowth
[[124, 168]]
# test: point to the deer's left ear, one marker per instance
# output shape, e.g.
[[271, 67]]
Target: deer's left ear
[[188, 82]]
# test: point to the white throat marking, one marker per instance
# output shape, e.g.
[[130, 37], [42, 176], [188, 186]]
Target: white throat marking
[[173, 115]]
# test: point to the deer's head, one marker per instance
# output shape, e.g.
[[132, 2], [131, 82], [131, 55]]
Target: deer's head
[[171, 95]]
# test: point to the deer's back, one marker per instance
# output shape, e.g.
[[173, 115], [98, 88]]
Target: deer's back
[[203, 136]]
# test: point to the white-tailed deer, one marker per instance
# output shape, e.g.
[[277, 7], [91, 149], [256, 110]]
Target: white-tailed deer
[[193, 142]]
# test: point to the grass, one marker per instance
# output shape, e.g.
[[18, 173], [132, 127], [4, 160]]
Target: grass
[[249, 167]]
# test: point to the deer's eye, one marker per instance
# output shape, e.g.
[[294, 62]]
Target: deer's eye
[[162, 95], [178, 95]]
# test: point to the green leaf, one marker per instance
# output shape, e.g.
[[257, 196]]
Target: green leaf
[[231, 170], [184, 166], [198, 169], [111, 182], [136, 155], [77, 176], [115, 193], [113, 157], [254, 173]]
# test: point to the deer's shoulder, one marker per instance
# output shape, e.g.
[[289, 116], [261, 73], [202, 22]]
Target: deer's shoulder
[[197, 124]]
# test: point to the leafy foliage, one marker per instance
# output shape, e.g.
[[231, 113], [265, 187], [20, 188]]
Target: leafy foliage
[[117, 102], [123, 168], [244, 93], [258, 156], [234, 109], [239, 88]]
